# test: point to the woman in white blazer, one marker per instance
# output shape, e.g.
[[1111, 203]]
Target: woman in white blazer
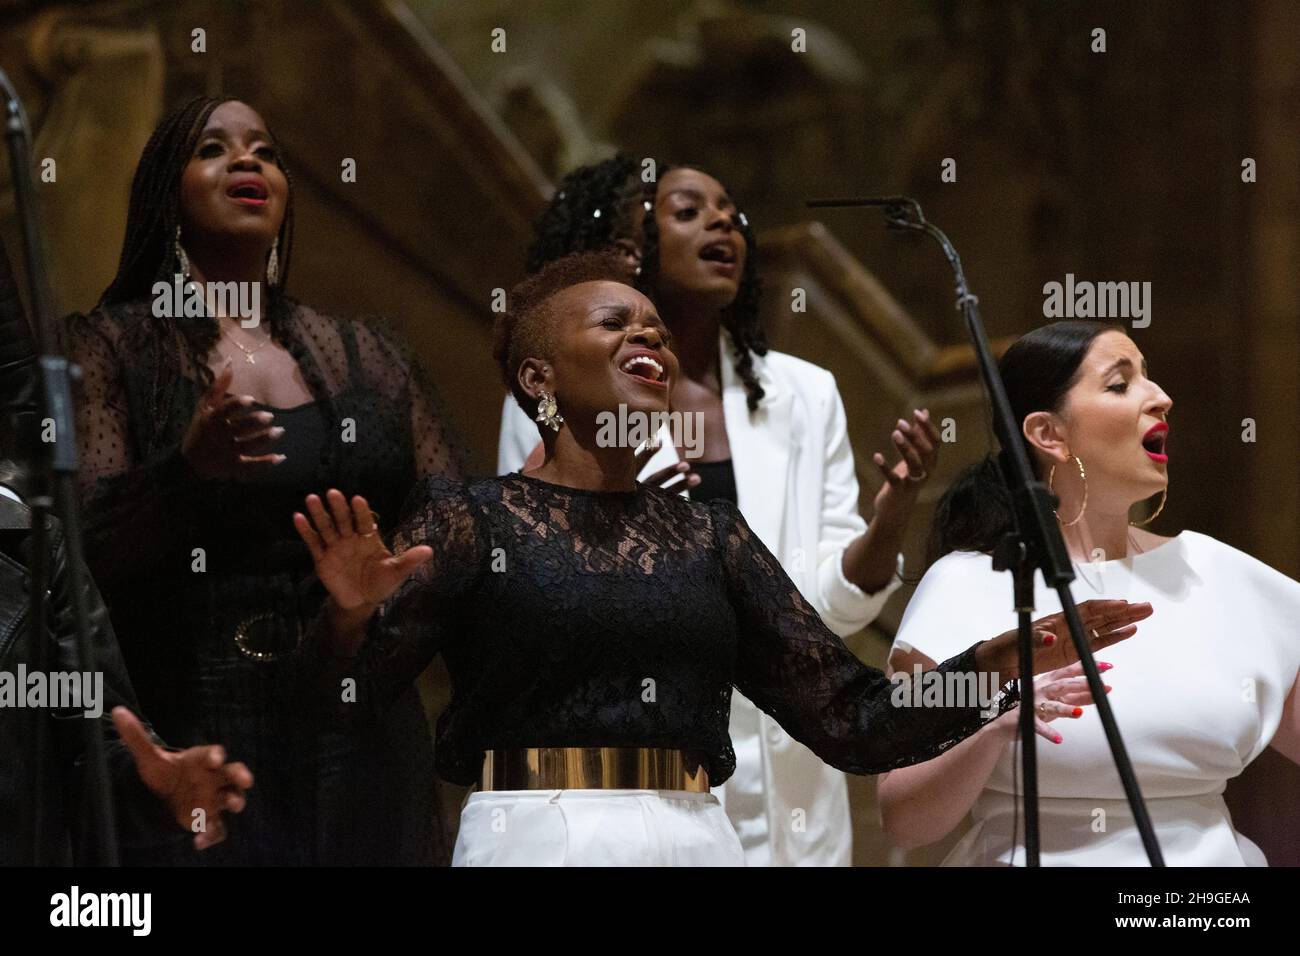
[[774, 440]]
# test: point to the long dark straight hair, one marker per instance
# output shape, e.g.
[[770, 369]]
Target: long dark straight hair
[[1038, 370], [148, 250]]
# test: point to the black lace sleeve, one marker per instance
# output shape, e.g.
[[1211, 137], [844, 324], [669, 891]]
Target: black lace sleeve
[[150, 503], [405, 634], [392, 367], [798, 671]]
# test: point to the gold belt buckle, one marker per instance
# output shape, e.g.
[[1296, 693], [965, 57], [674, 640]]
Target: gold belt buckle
[[593, 768], [262, 657]]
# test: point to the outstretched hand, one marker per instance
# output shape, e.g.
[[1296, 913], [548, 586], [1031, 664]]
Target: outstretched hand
[[197, 784], [351, 558], [1105, 622]]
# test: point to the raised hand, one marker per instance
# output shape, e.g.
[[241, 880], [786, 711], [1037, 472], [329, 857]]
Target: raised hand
[[227, 438], [917, 444], [196, 779], [673, 478], [351, 558]]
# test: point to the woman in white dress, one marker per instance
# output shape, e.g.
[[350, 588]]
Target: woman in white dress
[[1095, 426], [775, 443]]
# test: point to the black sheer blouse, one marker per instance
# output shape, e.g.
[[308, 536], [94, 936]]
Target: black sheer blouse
[[146, 509], [191, 568], [581, 618]]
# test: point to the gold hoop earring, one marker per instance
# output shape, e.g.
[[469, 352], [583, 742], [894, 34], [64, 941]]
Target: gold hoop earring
[[548, 411], [1051, 475], [1164, 496]]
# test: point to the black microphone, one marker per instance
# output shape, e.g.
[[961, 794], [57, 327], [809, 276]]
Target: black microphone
[[901, 212]]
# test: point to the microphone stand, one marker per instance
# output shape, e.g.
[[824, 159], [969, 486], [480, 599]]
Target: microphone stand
[[1034, 544], [55, 469]]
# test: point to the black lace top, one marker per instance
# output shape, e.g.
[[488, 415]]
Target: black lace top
[[581, 618]]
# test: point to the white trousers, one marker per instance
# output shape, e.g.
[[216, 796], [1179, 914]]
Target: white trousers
[[595, 828]]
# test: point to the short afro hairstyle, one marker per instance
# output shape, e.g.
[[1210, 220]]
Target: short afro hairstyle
[[525, 329]]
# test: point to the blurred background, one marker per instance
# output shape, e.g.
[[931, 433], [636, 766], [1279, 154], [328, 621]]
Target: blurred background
[[1117, 166]]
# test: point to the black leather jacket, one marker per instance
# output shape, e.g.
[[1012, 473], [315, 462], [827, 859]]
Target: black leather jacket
[[60, 773], [56, 778]]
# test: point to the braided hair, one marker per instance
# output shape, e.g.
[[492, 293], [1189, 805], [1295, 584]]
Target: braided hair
[[592, 208], [596, 205], [148, 252]]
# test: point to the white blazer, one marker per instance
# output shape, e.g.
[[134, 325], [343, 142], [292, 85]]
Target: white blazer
[[797, 488]]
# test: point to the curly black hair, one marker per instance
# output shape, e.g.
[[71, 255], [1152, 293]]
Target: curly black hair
[[152, 218], [592, 208], [595, 206]]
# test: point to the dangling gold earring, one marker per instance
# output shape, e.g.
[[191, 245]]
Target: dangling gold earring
[[273, 264], [548, 412], [1164, 496], [1077, 518]]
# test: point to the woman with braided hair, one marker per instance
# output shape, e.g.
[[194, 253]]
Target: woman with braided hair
[[199, 429], [693, 253]]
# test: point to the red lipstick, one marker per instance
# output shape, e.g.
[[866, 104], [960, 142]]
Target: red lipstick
[[1153, 442]]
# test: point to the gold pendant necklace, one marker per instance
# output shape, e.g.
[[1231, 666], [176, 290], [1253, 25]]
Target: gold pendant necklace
[[248, 353]]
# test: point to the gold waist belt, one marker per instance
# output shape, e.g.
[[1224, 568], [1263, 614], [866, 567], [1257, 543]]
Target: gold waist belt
[[593, 768]]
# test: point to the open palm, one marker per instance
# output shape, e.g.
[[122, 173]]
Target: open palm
[[351, 558]]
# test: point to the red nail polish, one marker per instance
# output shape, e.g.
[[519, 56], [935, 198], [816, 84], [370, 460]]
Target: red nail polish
[[1103, 666], [1057, 739], [1049, 640], [1078, 711]]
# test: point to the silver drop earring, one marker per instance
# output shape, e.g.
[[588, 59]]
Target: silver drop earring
[[273, 264], [182, 260], [548, 411]]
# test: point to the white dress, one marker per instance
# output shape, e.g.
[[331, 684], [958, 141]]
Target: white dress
[[1198, 694]]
